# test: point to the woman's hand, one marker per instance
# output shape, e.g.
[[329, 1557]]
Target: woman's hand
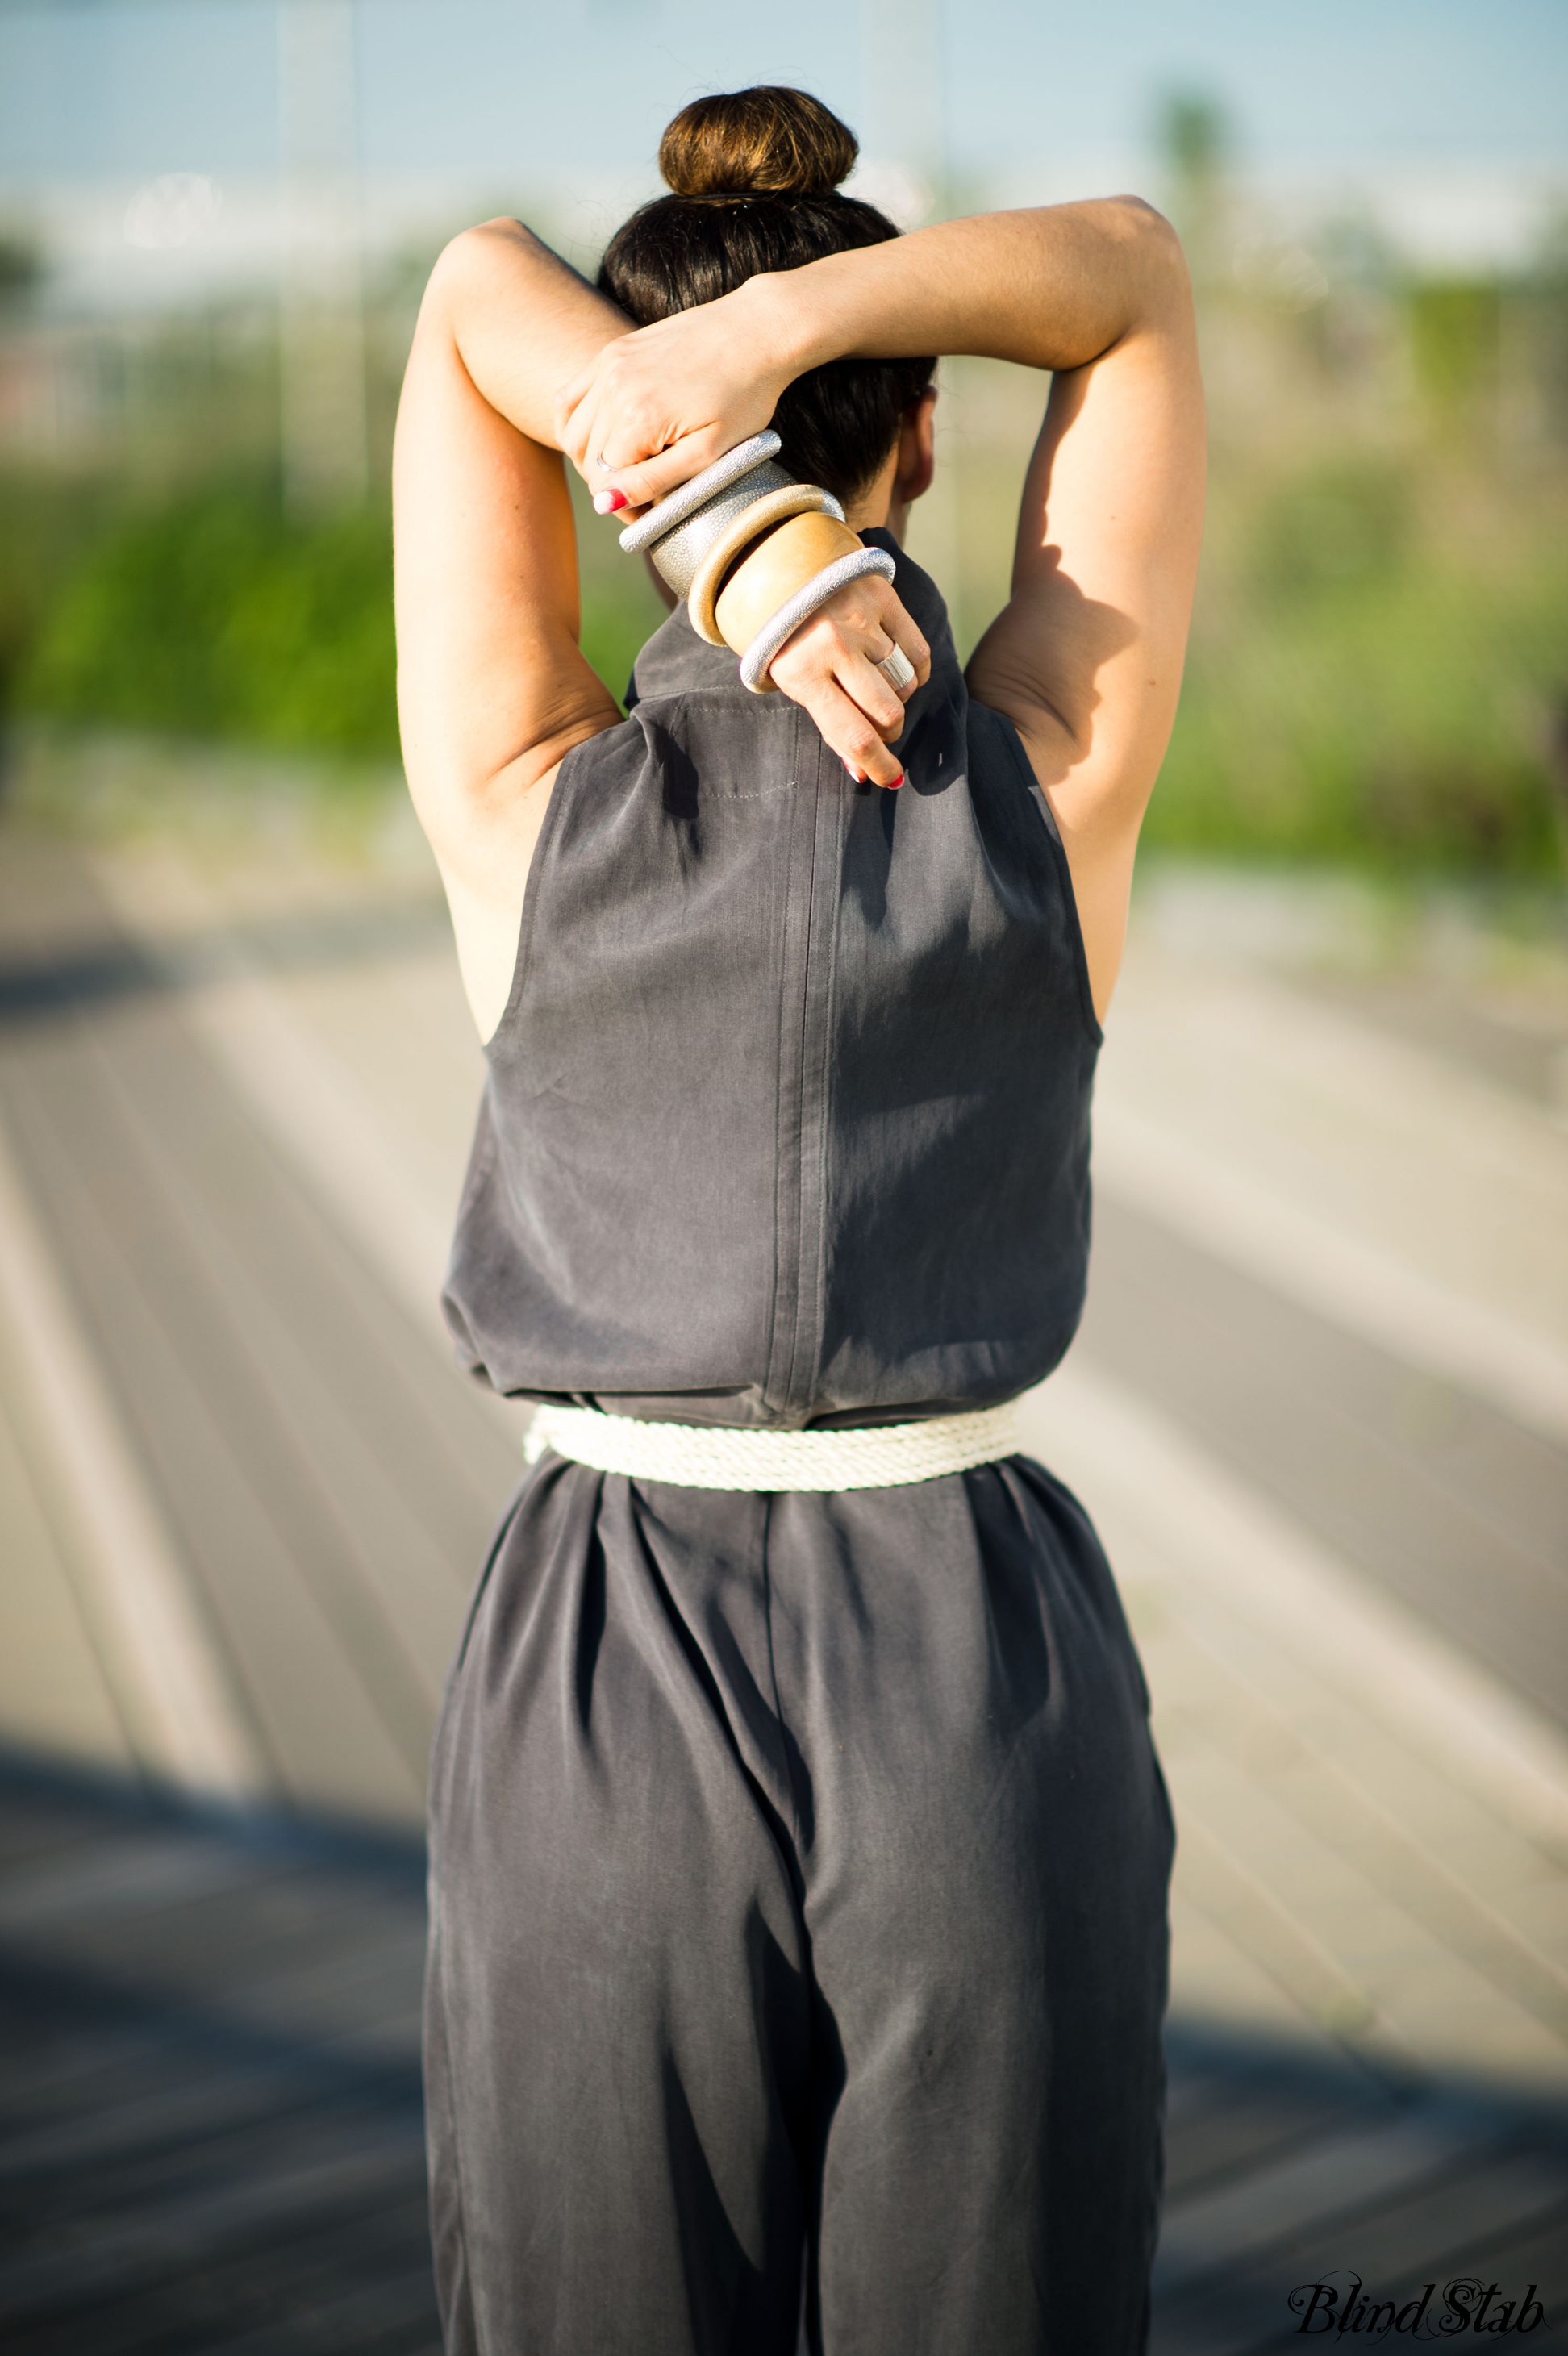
[[829, 669], [663, 402], [659, 404]]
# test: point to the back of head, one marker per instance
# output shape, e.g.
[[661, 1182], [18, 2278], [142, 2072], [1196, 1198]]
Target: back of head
[[755, 176]]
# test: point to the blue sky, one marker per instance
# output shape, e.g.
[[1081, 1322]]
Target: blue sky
[[533, 94]]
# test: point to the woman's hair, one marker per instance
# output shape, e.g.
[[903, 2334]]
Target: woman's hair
[[755, 175]]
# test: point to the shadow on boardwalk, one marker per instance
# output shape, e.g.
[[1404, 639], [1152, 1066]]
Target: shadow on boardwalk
[[210, 2123]]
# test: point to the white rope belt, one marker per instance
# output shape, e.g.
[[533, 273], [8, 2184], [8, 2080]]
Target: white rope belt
[[707, 1456]]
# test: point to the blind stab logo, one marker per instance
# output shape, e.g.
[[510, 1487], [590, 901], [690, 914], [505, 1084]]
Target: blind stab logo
[[1339, 2305]]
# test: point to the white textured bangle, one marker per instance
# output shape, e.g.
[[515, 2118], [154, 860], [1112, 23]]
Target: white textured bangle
[[659, 521], [680, 555], [771, 639]]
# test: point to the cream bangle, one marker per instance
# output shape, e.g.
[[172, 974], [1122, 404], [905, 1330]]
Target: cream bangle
[[748, 524], [771, 638], [695, 535]]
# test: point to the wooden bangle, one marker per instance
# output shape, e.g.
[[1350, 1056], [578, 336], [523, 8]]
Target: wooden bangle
[[795, 498], [768, 574], [755, 664]]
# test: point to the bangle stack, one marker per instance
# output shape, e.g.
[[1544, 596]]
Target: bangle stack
[[696, 535]]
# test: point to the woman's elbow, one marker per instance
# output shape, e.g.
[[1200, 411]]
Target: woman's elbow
[[1160, 284]]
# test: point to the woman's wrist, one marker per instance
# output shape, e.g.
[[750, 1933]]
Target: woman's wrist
[[779, 322]]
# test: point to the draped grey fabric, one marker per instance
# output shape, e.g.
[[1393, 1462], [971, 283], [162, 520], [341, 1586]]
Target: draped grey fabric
[[798, 1882], [798, 1862], [786, 1120]]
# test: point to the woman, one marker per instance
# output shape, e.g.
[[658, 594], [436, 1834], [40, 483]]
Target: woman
[[799, 1853]]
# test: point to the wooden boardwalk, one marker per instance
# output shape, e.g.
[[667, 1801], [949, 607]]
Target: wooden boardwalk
[[210, 2124], [210, 2120], [1319, 1411]]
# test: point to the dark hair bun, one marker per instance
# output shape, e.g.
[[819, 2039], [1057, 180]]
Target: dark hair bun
[[765, 142]]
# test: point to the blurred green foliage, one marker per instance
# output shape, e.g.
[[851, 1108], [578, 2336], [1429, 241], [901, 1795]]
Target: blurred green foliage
[[1380, 644], [21, 267], [1453, 329], [210, 615], [1374, 665], [1351, 693], [1390, 721], [1336, 526]]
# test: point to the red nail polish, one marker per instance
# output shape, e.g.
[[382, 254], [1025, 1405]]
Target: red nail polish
[[607, 502], [895, 783]]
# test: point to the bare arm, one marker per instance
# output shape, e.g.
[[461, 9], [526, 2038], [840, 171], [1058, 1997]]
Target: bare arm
[[1086, 658], [492, 689]]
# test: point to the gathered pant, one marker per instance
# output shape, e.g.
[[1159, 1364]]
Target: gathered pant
[[797, 1912]]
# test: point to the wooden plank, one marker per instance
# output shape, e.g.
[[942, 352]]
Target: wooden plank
[[1470, 1526], [367, 1460], [150, 1639], [236, 2156], [152, 2112], [1471, 2223], [54, 1696], [332, 1429], [267, 2206], [96, 1887], [1332, 2180], [209, 1148], [226, 1473], [1494, 2196], [238, 2166], [1241, 2131], [389, 2319], [1304, 1777]]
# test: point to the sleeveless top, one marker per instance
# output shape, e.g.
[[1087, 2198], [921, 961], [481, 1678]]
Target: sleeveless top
[[787, 1119]]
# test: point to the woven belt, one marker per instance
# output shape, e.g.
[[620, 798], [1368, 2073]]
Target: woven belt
[[709, 1456]]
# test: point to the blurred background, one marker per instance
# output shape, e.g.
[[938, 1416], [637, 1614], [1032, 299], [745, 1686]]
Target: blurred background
[[1319, 1407]]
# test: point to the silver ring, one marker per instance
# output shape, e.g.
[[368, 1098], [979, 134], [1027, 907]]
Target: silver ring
[[603, 464], [897, 670]]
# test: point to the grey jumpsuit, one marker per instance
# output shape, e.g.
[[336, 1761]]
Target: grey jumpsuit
[[798, 1862]]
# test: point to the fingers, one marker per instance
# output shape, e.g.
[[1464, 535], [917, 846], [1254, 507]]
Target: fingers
[[852, 705], [830, 669], [847, 731], [629, 446], [626, 491], [868, 619], [869, 687]]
